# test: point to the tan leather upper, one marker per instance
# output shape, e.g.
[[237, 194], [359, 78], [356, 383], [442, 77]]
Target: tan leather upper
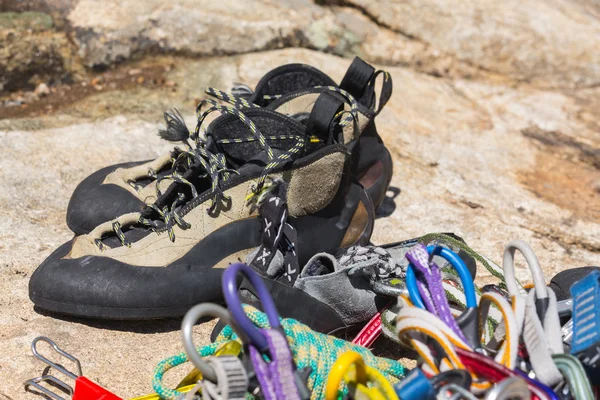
[[122, 176], [310, 189]]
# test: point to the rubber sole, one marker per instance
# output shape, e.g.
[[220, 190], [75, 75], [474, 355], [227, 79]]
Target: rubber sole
[[126, 313], [181, 285], [108, 313]]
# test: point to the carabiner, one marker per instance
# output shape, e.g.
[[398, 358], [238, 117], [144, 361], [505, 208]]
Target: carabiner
[[452, 391], [358, 379], [467, 321], [187, 326], [190, 381], [339, 370], [84, 388], [508, 263], [489, 369], [459, 377], [35, 382], [509, 389], [457, 263], [232, 298], [575, 375], [506, 353], [63, 353]]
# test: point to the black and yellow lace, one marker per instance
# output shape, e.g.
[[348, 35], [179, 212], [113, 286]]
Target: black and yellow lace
[[214, 164]]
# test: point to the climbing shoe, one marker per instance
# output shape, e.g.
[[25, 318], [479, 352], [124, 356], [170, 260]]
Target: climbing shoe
[[561, 283], [338, 293], [161, 261], [291, 89]]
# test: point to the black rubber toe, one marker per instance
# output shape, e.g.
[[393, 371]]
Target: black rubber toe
[[93, 203], [562, 282], [100, 287]]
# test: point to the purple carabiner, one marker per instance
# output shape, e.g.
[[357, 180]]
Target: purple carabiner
[[232, 298]]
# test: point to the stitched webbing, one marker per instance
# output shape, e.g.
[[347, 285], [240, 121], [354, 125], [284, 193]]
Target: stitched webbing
[[543, 339]]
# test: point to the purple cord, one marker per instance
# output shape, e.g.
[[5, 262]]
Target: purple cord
[[276, 378], [429, 282]]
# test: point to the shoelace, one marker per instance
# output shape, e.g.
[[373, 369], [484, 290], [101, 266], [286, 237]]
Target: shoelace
[[177, 131], [388, 265], [237, 101], [175, 120], [215, 164]]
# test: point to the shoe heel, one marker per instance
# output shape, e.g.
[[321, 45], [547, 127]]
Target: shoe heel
[[361, 225], [377, 178]]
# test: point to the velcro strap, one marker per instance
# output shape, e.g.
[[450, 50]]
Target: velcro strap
[[357, 78], [324, 111]]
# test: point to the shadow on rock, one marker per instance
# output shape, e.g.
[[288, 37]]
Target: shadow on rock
[[136, 326], [388, 205]]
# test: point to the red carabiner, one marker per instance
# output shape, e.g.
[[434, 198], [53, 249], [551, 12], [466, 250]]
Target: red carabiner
[[85, 389], [88, 390], [489, 369]]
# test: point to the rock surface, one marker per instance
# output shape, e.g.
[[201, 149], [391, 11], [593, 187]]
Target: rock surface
[[493, 126], [486, 161], [32, 51], [550, 44]]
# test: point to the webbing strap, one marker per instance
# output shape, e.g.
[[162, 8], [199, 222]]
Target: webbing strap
[[543, 339], [429, 281], [357, 78], [276, 377], [322, 117]]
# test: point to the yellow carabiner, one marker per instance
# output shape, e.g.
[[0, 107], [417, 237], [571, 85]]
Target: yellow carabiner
[[231, 348], [351, 368]]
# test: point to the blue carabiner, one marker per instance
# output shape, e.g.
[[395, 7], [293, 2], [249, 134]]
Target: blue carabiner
[[468, 320], [457, 263], [232, 298]]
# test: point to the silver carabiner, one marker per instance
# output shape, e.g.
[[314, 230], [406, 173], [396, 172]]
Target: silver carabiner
[[35, 382], [187, 325], [509, 389], [452, 391], [54, 365]]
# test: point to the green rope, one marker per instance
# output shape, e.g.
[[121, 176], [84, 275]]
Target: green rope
[[309, 349], [492, 267]]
